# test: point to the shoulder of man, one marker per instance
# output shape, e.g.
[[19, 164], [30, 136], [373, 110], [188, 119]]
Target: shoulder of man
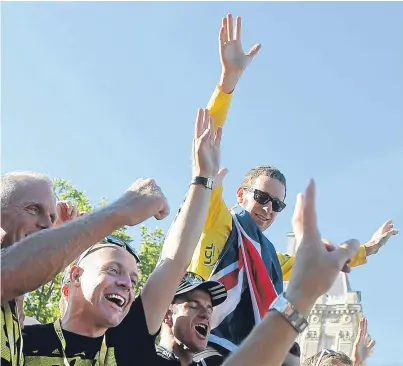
[[36, 330], [33, 336], [208, 355]]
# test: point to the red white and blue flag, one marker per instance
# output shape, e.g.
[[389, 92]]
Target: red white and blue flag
[[250, 270]]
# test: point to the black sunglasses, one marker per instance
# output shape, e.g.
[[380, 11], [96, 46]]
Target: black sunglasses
[[263, 198], [112, 239]]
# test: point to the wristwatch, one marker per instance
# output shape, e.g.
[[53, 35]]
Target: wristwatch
[[288, 311], [203, 181]]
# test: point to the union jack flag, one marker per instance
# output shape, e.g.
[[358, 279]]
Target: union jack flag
[[250, 270]]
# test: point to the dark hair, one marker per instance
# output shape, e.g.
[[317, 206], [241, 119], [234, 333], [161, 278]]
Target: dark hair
[[267, 170]]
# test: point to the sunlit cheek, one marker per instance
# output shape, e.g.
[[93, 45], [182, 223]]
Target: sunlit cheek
[[93, 287]]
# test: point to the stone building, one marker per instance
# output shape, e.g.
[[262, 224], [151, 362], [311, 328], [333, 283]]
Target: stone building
[[334, 320]]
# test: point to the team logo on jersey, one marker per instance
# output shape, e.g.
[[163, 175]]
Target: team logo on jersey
[[209, 253]]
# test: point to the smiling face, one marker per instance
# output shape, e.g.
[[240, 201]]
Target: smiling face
[[189, 319], [32, 207], [262, 215], [103, 284]]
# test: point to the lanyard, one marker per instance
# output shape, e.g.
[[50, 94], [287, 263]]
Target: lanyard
[[101, 354], [15, 360]]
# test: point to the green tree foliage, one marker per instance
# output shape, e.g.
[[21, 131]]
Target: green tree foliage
[[43, 303], [149, 252]]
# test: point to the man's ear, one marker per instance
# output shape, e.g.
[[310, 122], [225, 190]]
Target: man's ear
[[65, 290], [75, 274], [239, 195], [168, 318]]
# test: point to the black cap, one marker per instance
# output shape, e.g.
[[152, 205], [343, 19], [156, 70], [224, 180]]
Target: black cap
[[193, 281]]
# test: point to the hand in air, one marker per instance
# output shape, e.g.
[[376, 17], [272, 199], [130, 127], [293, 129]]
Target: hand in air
[[66, 211], [363, 345], [233, 58], [381, 237], [206, 146]]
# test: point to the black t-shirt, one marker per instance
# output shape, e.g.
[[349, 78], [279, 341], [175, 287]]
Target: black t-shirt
[[10, 332], [127, 344], [208, 357]]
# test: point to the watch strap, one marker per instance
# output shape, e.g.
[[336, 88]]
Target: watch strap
[[289, 312], [203, 181]]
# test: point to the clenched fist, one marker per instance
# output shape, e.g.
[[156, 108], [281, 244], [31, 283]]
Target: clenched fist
[[141, 201]]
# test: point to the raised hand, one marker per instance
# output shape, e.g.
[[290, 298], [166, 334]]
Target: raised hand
[[206, 146], [380, 237], [363, 345], [233, 59], [144, 199], [66, 211], [315, 268]]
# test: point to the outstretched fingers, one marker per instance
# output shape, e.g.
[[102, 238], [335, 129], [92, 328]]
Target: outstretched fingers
[[222, 37], [230, 28], [238, 28], [199, 123], [217, 138], [206, 126]]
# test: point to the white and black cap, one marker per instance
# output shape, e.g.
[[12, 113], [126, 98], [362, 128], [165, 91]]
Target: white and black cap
[[193, 281]]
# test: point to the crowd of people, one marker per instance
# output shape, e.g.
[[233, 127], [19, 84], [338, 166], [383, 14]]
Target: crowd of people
[[216, 295]]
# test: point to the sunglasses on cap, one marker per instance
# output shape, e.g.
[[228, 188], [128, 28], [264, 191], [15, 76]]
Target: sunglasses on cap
[[107, 241], [192, 278], [263, 198], [112, 239], [324, 352]]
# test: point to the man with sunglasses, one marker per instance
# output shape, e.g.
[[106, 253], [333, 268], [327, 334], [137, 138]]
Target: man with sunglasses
[[103, 323], [260, 199], [186, 325]]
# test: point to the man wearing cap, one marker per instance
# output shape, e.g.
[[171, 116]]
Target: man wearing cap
[[186, 325], [104, 324]]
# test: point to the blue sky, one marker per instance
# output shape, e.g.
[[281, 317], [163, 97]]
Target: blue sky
[[104, 93]]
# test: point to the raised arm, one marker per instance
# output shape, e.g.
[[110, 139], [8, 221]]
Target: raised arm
[[377, 241], [233, 63], [185, 232], [314, 273], [37, 259]]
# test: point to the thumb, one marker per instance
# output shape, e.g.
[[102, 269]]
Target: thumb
[[298, 217], [254, 50], [220, 177], [346, 251]]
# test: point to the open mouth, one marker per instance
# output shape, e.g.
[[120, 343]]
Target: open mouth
[[201, 329], [116, 299]]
